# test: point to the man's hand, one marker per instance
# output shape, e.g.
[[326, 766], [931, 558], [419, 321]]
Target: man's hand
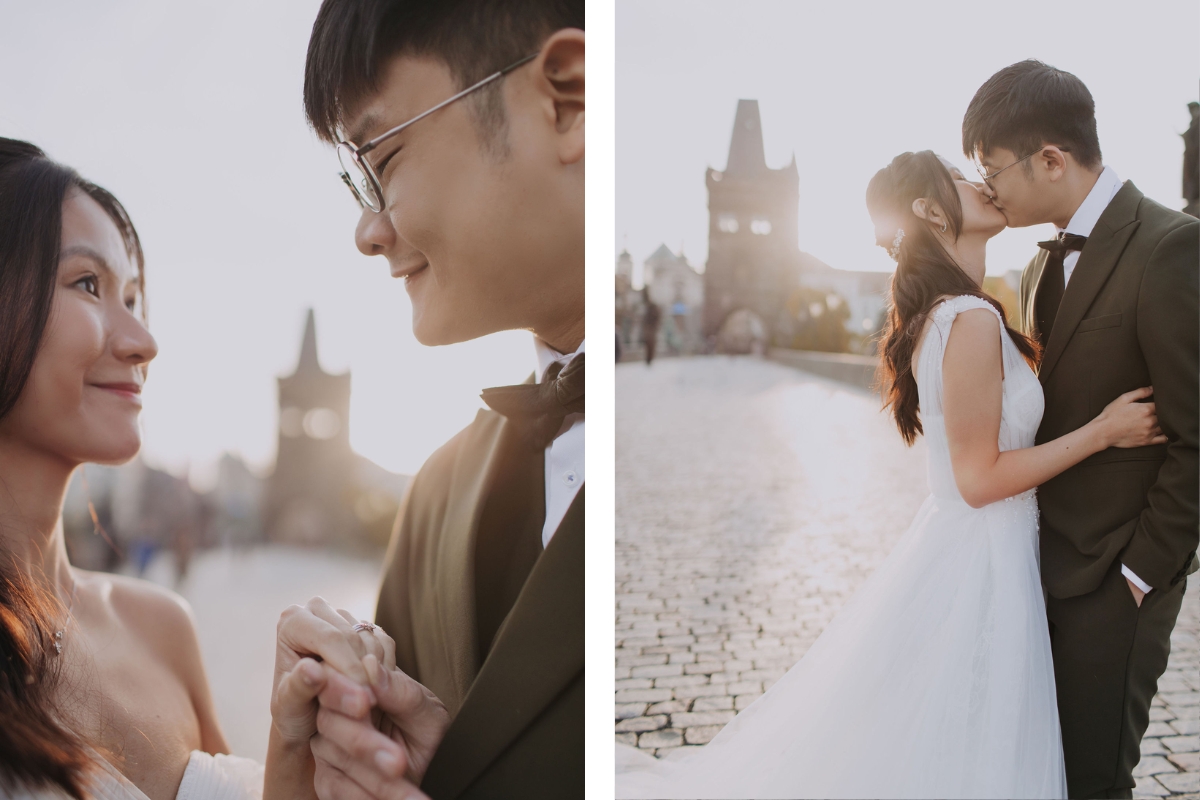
[[1138, 594], [355, 761]]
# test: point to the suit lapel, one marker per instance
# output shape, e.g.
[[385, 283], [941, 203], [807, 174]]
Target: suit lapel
[[1029, 312], [1096, 262], [538, 652], [456, 552]]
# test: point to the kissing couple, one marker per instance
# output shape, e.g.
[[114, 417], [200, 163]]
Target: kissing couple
[[460, 131], [1010, 645]]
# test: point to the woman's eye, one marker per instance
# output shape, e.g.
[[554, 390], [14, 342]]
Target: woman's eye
[[90, 285]]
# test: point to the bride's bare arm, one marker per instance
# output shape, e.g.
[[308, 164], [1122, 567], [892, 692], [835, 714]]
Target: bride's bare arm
[[972, 380]]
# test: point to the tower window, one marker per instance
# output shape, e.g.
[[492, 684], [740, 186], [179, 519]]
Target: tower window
[[291, 422], [322, 423], [727, 223], [760, 226]]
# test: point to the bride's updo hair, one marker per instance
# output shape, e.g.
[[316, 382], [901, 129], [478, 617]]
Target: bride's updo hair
[[925, 272], [37, 748]]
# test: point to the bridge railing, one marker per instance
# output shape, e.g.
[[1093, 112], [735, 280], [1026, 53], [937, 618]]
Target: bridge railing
[[848, 368]]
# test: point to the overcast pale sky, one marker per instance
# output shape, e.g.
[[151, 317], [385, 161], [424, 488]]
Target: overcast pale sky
[[191, 114], [847, 86]]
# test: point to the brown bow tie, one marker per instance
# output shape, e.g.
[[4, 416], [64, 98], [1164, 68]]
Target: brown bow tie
[[1063, 244], [1053, 284], [540, 408]]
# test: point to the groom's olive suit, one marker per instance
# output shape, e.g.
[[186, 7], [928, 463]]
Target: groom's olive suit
[[1127, 319], [487, 620]]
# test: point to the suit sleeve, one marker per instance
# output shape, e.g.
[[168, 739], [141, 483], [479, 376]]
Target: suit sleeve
[[1165, 537], [394, 610]]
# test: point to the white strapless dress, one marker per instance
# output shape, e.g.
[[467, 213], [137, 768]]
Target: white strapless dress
[[935, 680], [207, 777]]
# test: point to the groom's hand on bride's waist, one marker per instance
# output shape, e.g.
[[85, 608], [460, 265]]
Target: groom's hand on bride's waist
[[356, 760]]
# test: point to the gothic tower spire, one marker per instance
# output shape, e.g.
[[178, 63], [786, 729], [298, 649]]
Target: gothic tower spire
[[746, 156], [308, 349]]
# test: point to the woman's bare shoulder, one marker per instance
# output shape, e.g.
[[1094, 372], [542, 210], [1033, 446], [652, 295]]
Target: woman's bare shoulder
[[153, 614]]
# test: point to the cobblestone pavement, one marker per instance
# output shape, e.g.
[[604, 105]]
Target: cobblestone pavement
[[739, 536]]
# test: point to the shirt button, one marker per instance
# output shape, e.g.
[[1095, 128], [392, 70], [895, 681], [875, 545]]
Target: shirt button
[[570, 478]]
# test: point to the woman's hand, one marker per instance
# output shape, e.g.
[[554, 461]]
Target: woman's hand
[[1126, 422], [312, 636]]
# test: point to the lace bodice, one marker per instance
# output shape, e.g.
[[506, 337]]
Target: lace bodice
[[1021, 400]]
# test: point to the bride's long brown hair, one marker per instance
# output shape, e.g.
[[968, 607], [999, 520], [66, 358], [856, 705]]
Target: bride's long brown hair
[[36, 748], [925, 272]]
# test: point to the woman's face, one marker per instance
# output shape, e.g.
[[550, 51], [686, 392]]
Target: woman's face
[[979, 215], [83, 396]]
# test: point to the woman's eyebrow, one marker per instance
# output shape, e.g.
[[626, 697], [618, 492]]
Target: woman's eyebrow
[[91, 253]]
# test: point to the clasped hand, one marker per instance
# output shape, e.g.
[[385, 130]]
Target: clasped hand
[[371, 728]]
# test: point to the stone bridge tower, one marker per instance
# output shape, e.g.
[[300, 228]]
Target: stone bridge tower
[[307, 495], [752, 230]]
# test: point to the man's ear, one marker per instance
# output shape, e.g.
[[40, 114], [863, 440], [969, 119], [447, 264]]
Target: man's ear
[[561, 62], [1052, 161]]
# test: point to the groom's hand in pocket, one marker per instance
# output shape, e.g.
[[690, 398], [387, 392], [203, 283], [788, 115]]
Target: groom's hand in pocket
[[390, 762], [1138, 594]]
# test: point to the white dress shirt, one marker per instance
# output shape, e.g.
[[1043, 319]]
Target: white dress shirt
[[1088, 214], [564, 456], [1081, 224]]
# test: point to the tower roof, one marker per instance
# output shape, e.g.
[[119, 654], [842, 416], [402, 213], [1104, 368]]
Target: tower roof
[[746, 155], [308, 349], [662, 252]]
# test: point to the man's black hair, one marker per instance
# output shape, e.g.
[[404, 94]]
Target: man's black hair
[[353, 40], [1030, 104]]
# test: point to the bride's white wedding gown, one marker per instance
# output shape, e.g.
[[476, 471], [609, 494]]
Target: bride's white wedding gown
[[935, 680], [206, 777]]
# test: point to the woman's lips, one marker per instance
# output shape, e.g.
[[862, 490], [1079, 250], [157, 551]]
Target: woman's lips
[[129, 391]]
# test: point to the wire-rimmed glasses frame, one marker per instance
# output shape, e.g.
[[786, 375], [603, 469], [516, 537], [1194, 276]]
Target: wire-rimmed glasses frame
[[365, 183], [987, 178]]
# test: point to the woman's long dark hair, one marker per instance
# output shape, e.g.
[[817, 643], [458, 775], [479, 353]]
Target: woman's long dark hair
[[924, 273], [36, 748]]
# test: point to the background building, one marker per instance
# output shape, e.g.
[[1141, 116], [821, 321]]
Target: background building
[[752, 234]]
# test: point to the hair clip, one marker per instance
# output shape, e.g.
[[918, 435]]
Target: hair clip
[[894, 250]]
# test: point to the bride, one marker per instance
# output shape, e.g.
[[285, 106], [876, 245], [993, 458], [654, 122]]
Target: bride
[[102, 689], [936, 679]]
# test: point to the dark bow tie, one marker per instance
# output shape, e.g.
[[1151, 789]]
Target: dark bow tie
[[540, 408], [1063, 244]]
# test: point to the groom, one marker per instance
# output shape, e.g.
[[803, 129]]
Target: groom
[[1113, 302], [459, 125]]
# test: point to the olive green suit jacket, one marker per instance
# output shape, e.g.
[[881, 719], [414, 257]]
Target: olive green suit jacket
[[1128, 319], [517, 727]]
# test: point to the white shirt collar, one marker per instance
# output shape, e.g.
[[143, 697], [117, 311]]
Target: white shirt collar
[[1089, 211], [547, 355]]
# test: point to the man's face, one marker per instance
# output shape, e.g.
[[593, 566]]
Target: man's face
[[486, 231], [1019, 196]]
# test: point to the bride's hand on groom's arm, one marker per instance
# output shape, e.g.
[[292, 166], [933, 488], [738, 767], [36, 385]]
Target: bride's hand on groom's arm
[[355, 761]]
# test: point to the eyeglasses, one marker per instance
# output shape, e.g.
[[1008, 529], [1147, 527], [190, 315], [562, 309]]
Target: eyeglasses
[[357, 172], [987, 178]]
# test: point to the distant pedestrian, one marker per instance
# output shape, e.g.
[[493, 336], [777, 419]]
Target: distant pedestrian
[[651, 319]]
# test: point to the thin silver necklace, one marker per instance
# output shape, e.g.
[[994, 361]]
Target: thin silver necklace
[[58, 634]]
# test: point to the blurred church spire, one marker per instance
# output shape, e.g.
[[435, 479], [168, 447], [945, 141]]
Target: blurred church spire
[[308, 348]]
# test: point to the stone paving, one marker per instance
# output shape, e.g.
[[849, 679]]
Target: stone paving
[[752, 500]]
